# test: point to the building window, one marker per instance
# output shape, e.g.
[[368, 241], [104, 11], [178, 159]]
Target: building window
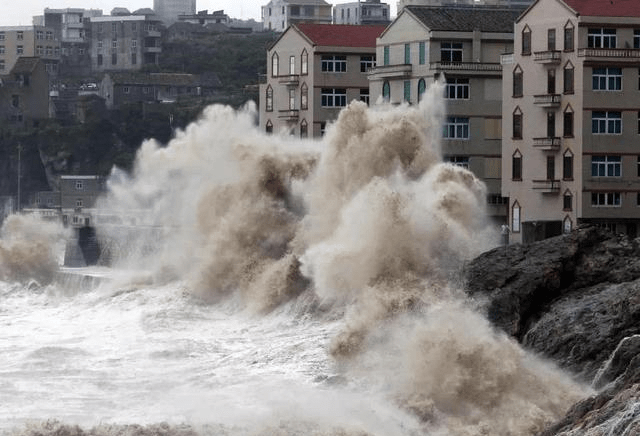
[[551, 167], [269, 127], [364, 95], [422, 53], [517, 124], [333, 97], [304, 97], [551, 81], [407, 91], [274, 65], [567, 202], [292, 99], [304, 129], [611, 199], [526, 41], [39, 34], [79, 185], [457, 89], [461, 161], [114, 27], [367, 63], [567, 165], [292, 65], [551, 124], [551, 39], [422, 88], [385, 51], [407, 53], [601, 38], [606, 122], [114, 59], [20, 49], [134, 58], [304, 62], [335, 64], [2, 65], [1, 49], [134, 43], [568, 78], [99, 59], [636, 38], [20, 36], [39, 50], [2, 36], [269, 99], [567, 123], [517, 82], [515, 217], [134, 27], [126, 90], [516, 166], [568, 37], [606, 166], [78, 202], [607, 79], [386, 91], [451, 52], [49, 35], [145, 90], [456, 128]]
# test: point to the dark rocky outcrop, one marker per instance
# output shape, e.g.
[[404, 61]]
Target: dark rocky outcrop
[[574, 299]]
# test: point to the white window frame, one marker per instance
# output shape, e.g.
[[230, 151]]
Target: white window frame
[[606, 123], [333, 64], [292, 99], [601, 38], [459, 161], [606, 79], [367, 63], [606, 199], [79, 185], [456, 128], [451, 48], [606, 166], [333, 97], [457, 89], [292, 65]]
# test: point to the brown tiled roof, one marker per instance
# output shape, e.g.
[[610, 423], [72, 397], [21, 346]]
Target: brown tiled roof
[[605, 8], [341, 35], [466, 18]]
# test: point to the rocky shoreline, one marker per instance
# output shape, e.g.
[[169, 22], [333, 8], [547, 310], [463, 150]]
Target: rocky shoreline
[[574, 299]]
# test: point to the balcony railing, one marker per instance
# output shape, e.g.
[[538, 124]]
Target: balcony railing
[[465, 66], [507, 59], [548, 186], [152, 49], [289, 80], [547, 143], [618, 53], [547, 100], [152, 33], [547, 57], [391, 71], [289, 114]]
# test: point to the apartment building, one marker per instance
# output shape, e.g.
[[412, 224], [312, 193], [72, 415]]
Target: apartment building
[[366, 12], [24, 93], [461, 46], [168, 11], [69, 28], [278, 15], [313, 71], [29, 41], [124, 42], [571, 147]]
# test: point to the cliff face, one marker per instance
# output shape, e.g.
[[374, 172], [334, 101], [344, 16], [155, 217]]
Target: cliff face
[[576, 300]]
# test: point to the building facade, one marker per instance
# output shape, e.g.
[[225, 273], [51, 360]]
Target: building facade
[[24, 93], [278, 15], [367, 12], [127, 42], [571, 150], [168, 11], [462, 47], [29, 41], [313, 71]]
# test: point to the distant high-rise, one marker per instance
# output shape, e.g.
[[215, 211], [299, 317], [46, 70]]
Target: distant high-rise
[[168, 10]]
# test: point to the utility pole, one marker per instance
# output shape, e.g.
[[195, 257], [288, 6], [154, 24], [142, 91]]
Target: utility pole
[[19, 174]]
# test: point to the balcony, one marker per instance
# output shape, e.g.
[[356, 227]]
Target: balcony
[[289, 115], [547, 100], [399, 71], [550, 143], [465, 66], [604, 54], [290, 80], [507, 59], [152, 50], [547, 57], [549, 186], [152, 34]]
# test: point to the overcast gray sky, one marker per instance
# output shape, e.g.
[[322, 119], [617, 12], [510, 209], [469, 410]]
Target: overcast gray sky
[[19, 12]]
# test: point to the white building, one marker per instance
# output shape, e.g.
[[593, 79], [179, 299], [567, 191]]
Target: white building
[[366, 12], [277, 15]]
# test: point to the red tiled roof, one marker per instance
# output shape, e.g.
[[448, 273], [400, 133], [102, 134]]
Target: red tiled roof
[[342, 35], [605, 8]]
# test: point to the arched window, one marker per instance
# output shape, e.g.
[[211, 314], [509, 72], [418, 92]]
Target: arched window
[[567, 200], [269, 126], [567, 122], [274, 65], [517, 81], [517, 123], [516, 166], [567, 165], [304, 97], [422, 87], [567, 225], [386, 91], [567, 75], [526, 40], [568, 36], [269, 99], [304, 62], [515, 217], [303, 129]]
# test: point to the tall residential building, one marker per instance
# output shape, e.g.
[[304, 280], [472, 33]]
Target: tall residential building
[[169, 10], [367, 12], [124, 42], [69, 27], [461, 46], [571, 148], [38, 41], [313, 71], [277, 15]]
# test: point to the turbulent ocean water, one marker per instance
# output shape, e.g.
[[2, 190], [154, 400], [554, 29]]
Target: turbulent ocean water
[[268, 285]]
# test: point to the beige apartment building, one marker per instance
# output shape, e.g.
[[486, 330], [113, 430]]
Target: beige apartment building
[[124, 42], [313, 71], [571, 147], [461, 46], [29, 41]]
